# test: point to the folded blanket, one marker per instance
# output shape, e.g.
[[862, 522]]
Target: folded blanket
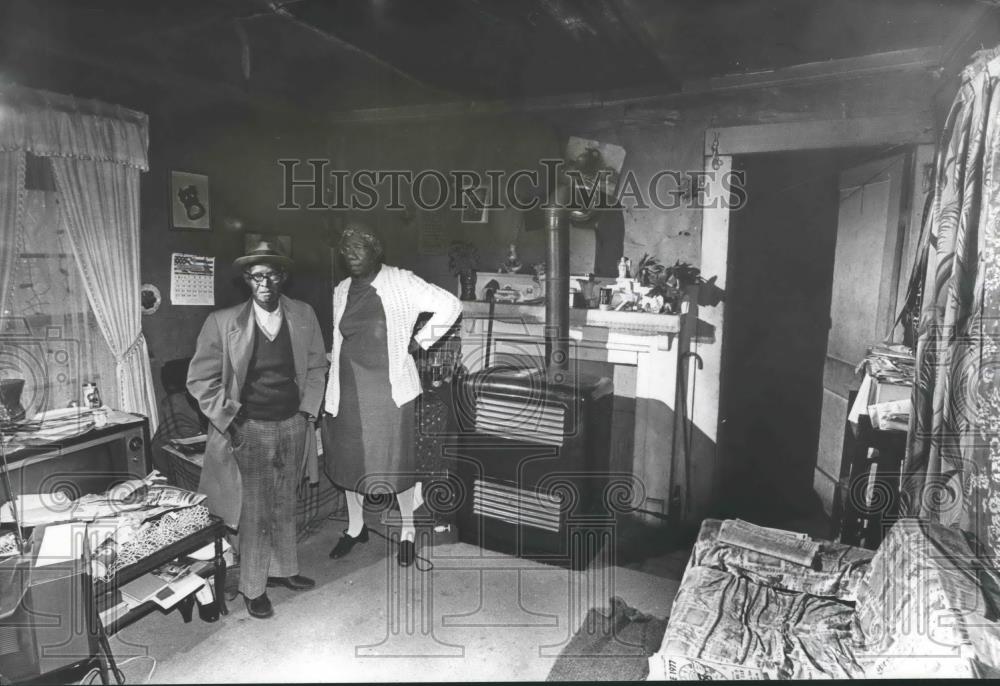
[[785, 545]]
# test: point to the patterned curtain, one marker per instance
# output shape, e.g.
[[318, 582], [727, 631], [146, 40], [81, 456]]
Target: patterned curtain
[[952, 467]]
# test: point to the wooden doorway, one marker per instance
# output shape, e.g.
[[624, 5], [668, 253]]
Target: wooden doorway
[[721, 145], [813, 256]]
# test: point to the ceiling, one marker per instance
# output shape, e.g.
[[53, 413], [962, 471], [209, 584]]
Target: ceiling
[[346, 54]]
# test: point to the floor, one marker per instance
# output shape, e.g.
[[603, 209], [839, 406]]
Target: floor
[[473, 616]]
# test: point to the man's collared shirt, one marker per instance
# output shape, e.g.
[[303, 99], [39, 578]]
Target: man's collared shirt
[[269, 322]]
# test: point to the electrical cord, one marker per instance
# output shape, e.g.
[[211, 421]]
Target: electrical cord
[[311, 529], [88, 678]]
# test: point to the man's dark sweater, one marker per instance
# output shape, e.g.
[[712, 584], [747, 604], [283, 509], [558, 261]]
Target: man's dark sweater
[[270, 392]]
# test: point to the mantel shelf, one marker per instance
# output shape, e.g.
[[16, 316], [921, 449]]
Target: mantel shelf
[[635, 323]]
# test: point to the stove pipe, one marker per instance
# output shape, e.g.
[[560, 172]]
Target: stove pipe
[[557, 290]]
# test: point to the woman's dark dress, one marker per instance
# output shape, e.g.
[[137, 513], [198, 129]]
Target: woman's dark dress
[[370, 443]]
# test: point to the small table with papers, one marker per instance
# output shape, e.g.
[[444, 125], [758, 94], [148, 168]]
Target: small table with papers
[[214, 533], [869, 501]]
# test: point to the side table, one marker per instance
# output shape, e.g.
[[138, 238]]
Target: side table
[[214, 532], [870, 496]]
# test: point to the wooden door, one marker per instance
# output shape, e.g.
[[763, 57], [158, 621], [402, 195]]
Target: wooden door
[[871, 234]]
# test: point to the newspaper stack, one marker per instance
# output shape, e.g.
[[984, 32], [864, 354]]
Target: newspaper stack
[[785, 545], [890, 364], [148, 497], [891, 416], [885, 391]]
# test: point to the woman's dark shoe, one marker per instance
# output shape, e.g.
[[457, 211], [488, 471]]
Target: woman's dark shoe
[[296, 583], [260, 607], [346, 543], [407, 553]]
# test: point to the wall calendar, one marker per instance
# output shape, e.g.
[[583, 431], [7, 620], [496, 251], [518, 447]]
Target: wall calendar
[[192, 280]]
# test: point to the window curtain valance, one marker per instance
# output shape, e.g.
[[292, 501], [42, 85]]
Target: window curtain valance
[[97, 153], [52, 125]]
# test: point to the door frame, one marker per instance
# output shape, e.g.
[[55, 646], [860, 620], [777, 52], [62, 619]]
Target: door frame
[[721, 145]]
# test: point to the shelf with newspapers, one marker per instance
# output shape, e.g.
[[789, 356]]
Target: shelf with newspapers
[[186, 568], [80, 502], [60, 600], [874, 446], [139, 555]]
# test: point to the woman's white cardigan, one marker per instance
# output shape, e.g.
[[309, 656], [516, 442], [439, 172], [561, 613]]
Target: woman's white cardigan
[[404, 296]]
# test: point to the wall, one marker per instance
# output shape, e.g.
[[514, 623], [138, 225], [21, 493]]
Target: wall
[[507, 144], [239, 155], [673, 134], [664, 135]]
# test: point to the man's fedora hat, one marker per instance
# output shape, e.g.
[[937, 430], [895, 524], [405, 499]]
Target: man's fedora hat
[[265, 252]]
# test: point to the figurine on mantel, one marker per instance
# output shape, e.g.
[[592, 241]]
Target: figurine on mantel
[[624, 268], [512, 265]]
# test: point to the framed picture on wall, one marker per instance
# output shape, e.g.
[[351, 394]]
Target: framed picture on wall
[[189, 201], [474, 206], [284, 243], [432, 236]]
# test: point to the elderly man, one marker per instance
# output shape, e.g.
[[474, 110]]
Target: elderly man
[[258, 374]]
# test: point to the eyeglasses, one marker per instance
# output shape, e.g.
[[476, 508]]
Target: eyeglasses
[[270, 277], [352, 250]]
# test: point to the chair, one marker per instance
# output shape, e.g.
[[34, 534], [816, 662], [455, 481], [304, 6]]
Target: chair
[[180, 417]]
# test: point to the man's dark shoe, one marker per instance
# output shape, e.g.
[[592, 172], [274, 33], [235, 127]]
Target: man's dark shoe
[[407, 553], [346, 543], [296, 583], [260, 607]]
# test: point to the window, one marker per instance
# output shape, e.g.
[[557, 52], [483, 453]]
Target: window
[[50, 337], [38, 175]]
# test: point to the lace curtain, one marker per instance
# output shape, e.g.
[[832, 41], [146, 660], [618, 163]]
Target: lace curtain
[[97, 152], [53, 341], [53, 125], [11, 211]]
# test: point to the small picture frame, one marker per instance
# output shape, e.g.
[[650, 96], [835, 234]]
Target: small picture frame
[[189, 201], [475, 211], [284, 243]]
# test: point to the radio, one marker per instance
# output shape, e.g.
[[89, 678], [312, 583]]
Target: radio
[[512, 288]]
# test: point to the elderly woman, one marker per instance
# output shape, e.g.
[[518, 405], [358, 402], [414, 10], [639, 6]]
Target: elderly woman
[[373, 384]]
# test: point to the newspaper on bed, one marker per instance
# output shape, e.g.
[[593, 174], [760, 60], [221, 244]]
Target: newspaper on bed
[[680, 668], [784, 545]]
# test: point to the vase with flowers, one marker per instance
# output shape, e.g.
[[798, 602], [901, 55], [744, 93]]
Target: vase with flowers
[[648, 269], [671, 283], [463, 261]]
